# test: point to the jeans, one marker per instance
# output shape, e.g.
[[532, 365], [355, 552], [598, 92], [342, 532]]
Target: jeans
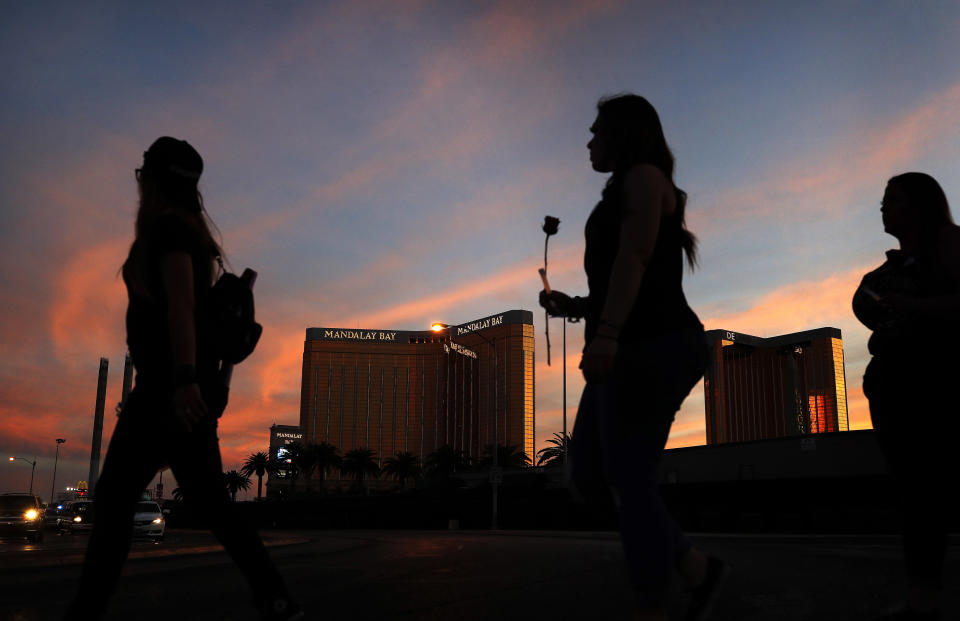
[[145, 439], [618, 440], [913, 406]]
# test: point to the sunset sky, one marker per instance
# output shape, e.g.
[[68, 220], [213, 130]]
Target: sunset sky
[[388, 164]]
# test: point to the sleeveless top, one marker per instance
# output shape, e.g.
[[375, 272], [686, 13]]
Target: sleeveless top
[[660, 306], [148, 334]]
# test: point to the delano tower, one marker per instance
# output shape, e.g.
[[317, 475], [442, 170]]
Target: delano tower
[[468, 387], [758, 388]]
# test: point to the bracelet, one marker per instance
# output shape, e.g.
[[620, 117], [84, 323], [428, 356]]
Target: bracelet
[[184, 374]]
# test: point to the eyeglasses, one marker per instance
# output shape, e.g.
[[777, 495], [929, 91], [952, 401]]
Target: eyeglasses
[[136, 173]]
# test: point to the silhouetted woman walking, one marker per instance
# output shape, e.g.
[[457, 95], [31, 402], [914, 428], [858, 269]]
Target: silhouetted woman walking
[[912, 305], [170, 417], [645, 350]]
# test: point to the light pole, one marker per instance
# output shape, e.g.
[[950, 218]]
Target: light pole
[[33, 468], [495, 473], [53, 483]]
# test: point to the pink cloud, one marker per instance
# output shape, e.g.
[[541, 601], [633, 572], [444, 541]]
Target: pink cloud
[[858, 162], [452, 115]]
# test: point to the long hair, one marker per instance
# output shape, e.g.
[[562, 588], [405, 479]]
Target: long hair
[[929, 208], [168, 186], [636, 135]]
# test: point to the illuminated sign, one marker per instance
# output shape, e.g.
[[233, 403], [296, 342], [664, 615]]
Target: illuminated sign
[[292, 436], [418, 336], [481, 324], [460, 349], [359, 335]]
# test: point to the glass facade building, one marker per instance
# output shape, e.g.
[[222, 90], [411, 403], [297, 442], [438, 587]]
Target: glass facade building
[[467, 387], [758, 388]]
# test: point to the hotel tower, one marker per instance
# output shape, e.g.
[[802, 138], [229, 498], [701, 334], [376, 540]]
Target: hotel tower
[[468, 386], [758, 388]]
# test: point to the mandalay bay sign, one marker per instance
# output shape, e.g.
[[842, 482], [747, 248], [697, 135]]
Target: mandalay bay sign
[[359, 335], [410, 336]]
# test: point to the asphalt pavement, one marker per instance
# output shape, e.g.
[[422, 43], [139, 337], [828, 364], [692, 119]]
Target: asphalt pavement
[[462, 575]]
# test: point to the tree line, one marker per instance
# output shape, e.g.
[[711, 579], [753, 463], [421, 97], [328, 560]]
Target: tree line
[[361, 464]]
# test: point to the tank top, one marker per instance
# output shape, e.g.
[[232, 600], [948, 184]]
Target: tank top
[[660, 306], [148, 336]]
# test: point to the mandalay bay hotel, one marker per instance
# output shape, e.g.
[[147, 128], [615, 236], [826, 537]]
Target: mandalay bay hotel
[[466, 386]]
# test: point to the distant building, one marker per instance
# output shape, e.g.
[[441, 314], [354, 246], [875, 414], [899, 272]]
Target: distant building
[[280, 436], [759, 388], [415, 391]]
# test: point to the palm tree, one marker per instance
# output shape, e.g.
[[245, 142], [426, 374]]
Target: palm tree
[[507, 456], [235, 482], [258, 464], [304, 460], [360, 463], [444, 461], [404, 465], [326, 458], [554, 454]]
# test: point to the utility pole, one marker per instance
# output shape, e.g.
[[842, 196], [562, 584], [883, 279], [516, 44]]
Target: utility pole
[[53, 483], [98, 424]]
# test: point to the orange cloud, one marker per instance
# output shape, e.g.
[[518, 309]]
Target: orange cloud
[[88, 303], [795, 307]]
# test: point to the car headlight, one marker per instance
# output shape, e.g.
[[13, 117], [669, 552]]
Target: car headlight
[[158, 520], [31, 515], [78, 519]]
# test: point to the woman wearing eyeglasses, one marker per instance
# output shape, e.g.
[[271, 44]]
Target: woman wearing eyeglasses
[[170, 416]]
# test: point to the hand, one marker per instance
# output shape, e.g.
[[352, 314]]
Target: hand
[[188, 405], [598, 359], [557, 303]]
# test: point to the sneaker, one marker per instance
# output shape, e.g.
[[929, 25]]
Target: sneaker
[[907, 614], [281, 609], [705, 596]]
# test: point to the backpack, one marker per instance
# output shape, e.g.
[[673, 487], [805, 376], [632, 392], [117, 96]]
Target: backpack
[[234, 332]]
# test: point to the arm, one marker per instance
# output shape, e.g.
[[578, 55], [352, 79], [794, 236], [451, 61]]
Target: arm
[[176, 272], [645, 192], [644, 187]]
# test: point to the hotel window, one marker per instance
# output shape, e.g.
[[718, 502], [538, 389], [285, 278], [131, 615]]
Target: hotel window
[[822, 414]]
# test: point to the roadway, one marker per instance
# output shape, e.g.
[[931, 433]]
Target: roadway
[[463, 575]]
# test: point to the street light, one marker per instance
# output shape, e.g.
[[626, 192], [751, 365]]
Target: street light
[[495, 473], [33, 468], [53, 483]]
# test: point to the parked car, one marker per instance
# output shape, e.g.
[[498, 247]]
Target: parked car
[[21, 515], [148, 520], [77, 517]]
